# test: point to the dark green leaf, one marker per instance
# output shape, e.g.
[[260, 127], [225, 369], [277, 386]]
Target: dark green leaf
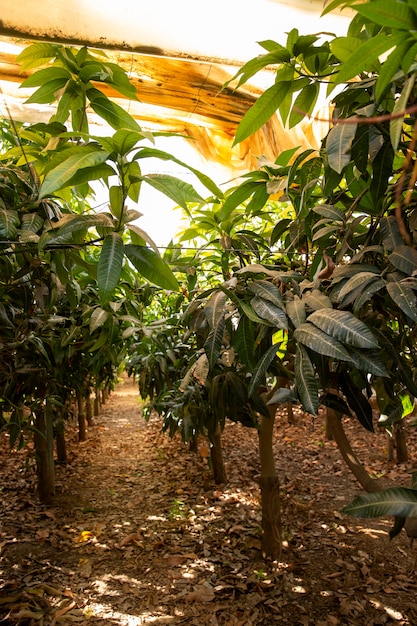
[[404, 259], [320, 342], [344, 326], [306, 381], [357, 401], [397, 501]]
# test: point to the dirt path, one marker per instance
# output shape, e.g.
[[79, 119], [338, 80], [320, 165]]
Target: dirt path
[[138, 534]]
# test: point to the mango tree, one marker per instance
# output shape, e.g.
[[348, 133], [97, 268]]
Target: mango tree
[[50, 233]]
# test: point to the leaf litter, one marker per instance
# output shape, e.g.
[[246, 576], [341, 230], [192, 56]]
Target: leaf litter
[[139, 533]]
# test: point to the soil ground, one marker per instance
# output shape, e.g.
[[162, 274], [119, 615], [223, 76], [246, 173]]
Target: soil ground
[[139, 534]]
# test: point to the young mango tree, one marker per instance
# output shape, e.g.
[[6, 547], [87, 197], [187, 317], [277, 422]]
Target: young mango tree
[[49, 230]]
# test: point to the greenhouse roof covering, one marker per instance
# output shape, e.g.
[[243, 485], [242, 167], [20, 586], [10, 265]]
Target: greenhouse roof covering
[[178, 54]]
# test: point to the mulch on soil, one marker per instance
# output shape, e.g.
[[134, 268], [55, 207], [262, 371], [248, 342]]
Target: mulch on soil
[[139, 534]]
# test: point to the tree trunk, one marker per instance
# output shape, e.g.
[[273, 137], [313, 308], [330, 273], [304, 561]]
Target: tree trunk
[[401, 442], [216, 457], [193, 444], [61, 448], [82, 435], [97, 402], [270, 493], [88, 410], [44, 445], [350, 458]]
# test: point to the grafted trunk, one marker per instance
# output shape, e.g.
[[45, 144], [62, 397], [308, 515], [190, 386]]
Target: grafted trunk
[[270, 491], [216, 457], [44, 445]]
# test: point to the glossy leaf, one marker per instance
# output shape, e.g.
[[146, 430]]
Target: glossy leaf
[[306, 381], [58, 177], [357, 402], [214, 309], [259, 373], [268, 291], [404, 258], [259, 113], [151, 266], [404, 297], [344, 326], [296, 311], [320, 342], [339, 144], [396, 501], [178, 190], [269, 312], [110, 265], [98, 317]]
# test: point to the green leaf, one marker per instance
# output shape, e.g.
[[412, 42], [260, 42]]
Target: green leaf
[[357, 401], [344, 326], [259, 373], [361, 279], [9, 223], [268, 291], [382, 167], [48, 92], [338, 145], [306, 381], [36, 54], [320, 342], [391, 235], [260, 112], [389, 68], [214, 342], [236, 198], [396, 124], [404, 297], [110, 265], [179, 191], [404, 259], [389, 13], [244, 341], [304, 104], [296, 311], [41, 77], [317, 300], [396, 501], [368, 289], [165, 156], [252, 67], [269, 312], [111, 112], [58, 177], [366, 55], [331, 212], [151, 266], [214, 309], [368, 361], [98, 317]]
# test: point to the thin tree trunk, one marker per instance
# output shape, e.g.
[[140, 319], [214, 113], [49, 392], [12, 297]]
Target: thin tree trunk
[[88, 411], [193, 444], [401, 442], [270, 492], [44, 445], [216, 457], [61, 448], [97, 402], [350, 458], [82, 435]]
